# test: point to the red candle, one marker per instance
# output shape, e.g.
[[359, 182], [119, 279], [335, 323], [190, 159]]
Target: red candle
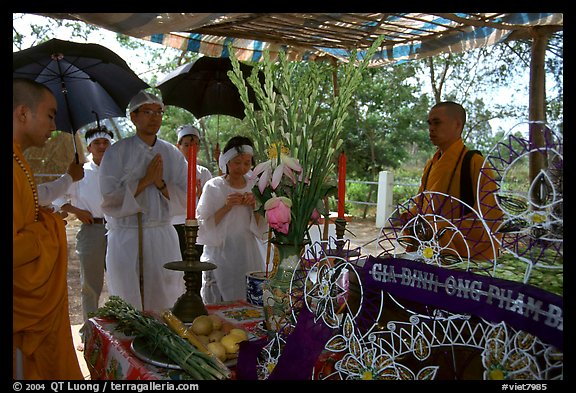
[[341, 184], [191, 205]]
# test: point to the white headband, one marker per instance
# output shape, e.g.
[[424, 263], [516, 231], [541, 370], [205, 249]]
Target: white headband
[[98, 135], [230, 154]]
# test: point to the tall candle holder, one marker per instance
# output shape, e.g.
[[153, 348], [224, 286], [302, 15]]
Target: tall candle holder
[[190, 304], [340, 224]]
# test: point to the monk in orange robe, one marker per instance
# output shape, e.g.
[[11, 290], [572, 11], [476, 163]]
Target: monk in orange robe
[[42, 346], [442, 174]]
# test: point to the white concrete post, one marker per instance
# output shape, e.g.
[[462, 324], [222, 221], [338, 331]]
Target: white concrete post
[[384, 206]]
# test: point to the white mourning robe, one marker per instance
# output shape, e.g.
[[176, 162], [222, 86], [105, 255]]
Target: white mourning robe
[[122, 167], [236, 245]]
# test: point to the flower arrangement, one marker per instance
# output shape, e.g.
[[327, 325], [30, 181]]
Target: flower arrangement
[[299, 129]]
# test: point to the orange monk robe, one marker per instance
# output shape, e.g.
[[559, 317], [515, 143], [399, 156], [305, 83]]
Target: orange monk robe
[[41, 323], [442, 174]]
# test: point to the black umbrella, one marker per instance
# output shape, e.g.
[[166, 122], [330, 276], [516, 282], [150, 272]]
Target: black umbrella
[[89, 81], [204, 88]]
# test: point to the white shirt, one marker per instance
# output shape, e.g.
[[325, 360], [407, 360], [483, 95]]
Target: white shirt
[[85, 194], [50, 191]]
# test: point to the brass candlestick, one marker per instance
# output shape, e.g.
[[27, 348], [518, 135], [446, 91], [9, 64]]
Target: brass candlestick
[[340, 229], [341, 242], [190, 304]]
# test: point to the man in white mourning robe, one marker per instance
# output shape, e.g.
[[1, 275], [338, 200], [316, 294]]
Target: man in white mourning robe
[[143, 182]]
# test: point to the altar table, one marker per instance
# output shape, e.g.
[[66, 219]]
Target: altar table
[[108, 354]]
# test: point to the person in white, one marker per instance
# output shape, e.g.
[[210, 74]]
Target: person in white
[[230, 229], [48, 192], [188, 135], [83, 199], [143, 182]]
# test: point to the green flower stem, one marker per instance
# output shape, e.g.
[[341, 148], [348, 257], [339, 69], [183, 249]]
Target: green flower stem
[[294, 115]]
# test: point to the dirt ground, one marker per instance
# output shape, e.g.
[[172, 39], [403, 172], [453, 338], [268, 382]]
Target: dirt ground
[[359, 231]]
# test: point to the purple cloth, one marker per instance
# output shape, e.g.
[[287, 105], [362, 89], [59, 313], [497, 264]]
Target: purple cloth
[[247, 357], [299, 356]]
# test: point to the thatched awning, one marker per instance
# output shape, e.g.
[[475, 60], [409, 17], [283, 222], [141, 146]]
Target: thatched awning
[[408, 36]]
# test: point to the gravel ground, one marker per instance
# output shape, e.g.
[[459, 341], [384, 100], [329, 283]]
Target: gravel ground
[[360, 232]]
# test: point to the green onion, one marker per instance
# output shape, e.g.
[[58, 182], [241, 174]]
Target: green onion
[[195, 363]]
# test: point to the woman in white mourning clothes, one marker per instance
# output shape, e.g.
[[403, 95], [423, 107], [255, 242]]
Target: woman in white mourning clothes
[[230, 229]]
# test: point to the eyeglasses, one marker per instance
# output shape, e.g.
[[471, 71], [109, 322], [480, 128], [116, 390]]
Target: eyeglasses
[[149, 112]]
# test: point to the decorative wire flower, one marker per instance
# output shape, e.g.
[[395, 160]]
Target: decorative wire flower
[[431, 243], [366, 360], [539, 212], [268, 357], [532, 226], [329, 284], [355, 365], [507, 358], [368, 365]]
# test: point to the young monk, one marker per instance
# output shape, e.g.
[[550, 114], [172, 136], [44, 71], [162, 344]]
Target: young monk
[[42, 345]]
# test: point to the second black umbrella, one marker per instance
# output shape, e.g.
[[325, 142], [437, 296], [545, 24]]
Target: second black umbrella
[[204, 88]]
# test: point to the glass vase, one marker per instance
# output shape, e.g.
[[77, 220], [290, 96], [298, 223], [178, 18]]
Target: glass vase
[[282, 294]]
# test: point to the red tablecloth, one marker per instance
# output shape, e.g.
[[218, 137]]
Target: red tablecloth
[[108, 354]]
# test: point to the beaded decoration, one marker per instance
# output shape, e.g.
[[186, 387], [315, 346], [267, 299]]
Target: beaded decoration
[[32, 185]]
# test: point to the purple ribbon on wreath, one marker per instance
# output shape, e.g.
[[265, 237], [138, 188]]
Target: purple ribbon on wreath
[[294, 363]]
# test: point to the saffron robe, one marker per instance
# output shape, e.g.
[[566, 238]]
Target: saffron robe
[[41, 323], [477, 238]]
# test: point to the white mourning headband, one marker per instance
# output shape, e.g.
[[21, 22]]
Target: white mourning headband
[[230, 154], [98, 135]]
